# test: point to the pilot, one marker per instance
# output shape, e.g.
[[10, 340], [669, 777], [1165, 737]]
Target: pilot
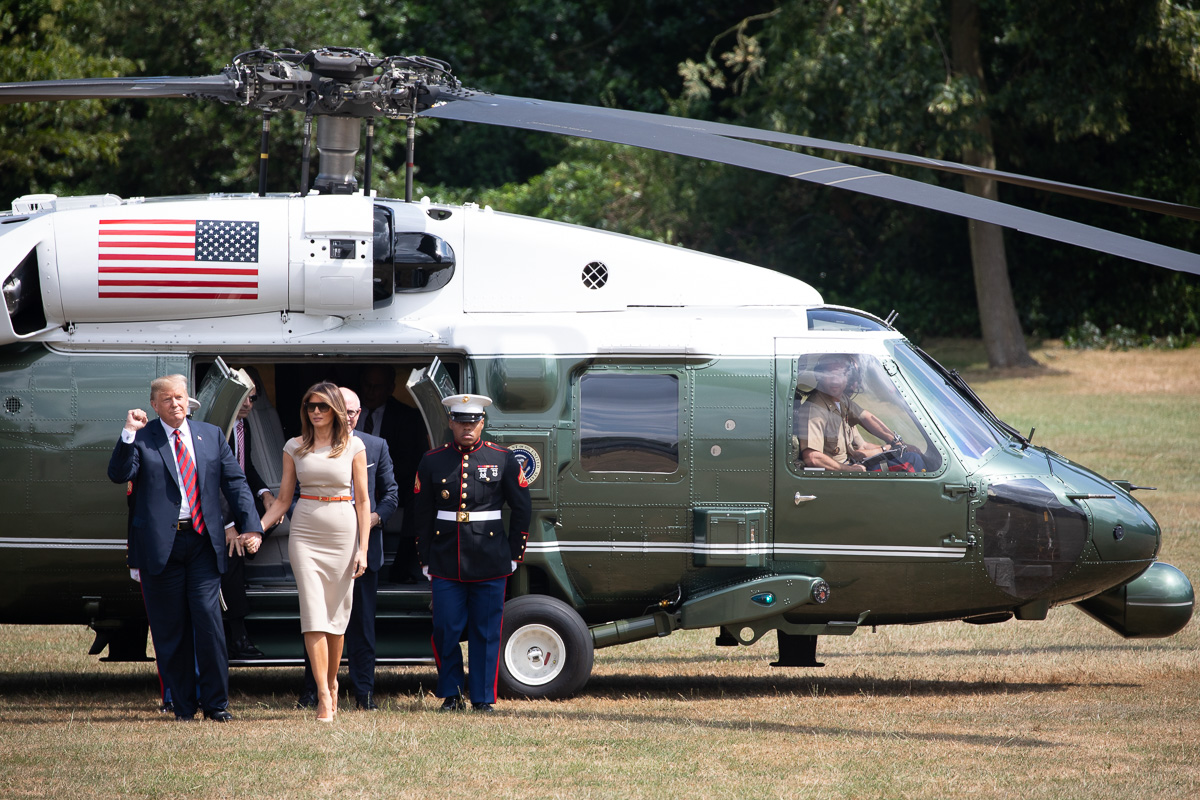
[[826, 422], [460, 490]]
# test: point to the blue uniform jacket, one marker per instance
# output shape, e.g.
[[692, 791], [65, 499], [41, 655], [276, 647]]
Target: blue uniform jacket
[[480, 480]]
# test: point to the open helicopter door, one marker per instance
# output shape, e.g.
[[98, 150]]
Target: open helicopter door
[[221, 394], [428, 388]]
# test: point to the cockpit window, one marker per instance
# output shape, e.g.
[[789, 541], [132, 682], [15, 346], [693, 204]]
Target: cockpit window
[[842, 319], [966, 428], [848, 417]]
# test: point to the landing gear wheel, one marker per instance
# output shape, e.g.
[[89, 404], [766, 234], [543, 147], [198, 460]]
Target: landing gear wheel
[[546, 649]]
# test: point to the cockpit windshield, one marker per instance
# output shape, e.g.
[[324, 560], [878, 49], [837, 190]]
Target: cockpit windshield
[[964, 425]]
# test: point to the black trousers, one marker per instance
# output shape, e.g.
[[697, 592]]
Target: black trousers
[[184, 610]]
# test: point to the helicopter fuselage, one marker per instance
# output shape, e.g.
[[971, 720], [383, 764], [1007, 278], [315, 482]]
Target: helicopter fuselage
[[661, 400]]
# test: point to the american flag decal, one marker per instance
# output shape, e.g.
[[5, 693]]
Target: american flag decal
[[178, 259]]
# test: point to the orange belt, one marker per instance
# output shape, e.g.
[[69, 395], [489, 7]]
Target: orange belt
[[338, 499]]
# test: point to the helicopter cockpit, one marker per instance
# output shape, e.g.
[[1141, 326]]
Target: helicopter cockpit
[[848, 415]]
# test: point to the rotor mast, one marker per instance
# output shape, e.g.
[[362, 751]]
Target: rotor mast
[[343, 86]]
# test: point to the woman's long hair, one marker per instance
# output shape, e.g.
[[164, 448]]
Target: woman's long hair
[[324, 392]]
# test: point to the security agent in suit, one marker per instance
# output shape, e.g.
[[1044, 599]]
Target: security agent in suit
[[404, 430], [360, 634], [460, 490], [176, 541], [233, 582]]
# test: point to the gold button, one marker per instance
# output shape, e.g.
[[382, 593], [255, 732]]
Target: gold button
[[464, 505], [490, 533], [464, 494]]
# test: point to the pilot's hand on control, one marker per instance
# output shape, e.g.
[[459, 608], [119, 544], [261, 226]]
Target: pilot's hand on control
[[135, 420], [233, 541]]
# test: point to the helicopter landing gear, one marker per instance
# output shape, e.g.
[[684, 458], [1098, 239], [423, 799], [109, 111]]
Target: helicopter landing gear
[[546, 649], [797, 651]]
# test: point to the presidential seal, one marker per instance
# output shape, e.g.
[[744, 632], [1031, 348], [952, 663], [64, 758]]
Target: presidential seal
[[528, 458]]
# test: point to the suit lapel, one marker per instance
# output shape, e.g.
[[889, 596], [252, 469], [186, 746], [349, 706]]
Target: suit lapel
[[165, 449]]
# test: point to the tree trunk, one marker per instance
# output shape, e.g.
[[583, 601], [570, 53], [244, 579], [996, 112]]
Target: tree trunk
[[1002, 335]]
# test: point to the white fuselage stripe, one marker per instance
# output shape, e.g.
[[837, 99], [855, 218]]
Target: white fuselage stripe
[[781, 550], [33, 542]]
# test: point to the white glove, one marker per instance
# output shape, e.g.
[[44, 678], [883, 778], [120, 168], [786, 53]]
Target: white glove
[[514, 566], [425, 572], [136, 574]]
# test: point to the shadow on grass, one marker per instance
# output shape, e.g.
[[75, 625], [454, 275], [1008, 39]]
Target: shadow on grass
[[555, 717], [767, 652]]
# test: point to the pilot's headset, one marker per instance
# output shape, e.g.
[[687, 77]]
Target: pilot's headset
[[854, 379]]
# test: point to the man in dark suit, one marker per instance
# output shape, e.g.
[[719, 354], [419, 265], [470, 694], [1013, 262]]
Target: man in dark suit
[[179, 469], [233, 582], [360, 634], [404, 430]]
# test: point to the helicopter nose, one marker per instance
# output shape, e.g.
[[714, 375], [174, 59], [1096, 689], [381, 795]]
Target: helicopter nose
[[1123, 529]]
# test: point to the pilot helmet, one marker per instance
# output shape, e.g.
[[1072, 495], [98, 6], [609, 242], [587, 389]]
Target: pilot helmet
[[466, 407]]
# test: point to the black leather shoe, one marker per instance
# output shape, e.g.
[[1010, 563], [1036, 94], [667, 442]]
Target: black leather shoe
[[307, 700], [167, 708], [452, 704], [181, 718], [220, 715], [366, 702], [483, 708], [242, 648]]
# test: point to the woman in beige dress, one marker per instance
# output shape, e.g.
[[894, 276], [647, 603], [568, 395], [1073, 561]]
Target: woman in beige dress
[[326, 554]]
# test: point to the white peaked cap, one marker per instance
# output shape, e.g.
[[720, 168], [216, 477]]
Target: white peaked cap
[[467, 407]]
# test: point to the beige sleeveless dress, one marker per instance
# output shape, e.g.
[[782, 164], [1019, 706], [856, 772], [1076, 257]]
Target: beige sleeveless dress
[[323, 537]]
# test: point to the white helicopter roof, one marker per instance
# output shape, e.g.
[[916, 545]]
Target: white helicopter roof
[[266, 272]]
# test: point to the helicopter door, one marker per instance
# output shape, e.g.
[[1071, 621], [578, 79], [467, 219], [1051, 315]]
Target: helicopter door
[[845, 495], [624, 527], [428, 388], [221, 394]]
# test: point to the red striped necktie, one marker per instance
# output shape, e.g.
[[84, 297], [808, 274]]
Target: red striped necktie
[[187, 476]]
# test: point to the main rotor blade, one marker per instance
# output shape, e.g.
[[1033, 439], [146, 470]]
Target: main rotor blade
[[215, 87], [1057, 187], [649, 131]]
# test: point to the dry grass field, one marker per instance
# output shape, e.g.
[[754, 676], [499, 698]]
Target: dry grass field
[[1056, 709]]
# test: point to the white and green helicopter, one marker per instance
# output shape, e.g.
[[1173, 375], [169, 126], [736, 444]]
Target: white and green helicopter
[[661, 400]]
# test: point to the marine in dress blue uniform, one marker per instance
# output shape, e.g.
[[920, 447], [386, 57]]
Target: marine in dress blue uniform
[[460, 491]]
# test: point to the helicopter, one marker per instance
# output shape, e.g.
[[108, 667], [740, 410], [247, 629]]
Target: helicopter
[[661, 400]]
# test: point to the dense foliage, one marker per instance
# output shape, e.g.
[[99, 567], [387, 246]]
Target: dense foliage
[[1097, 94]]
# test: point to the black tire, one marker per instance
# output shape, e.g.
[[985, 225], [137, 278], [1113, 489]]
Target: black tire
[[545, 650]]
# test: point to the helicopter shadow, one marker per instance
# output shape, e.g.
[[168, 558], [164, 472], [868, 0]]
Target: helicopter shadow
[[556, 717]]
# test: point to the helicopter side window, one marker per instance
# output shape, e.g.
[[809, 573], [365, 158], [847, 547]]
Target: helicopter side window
[[629, 423], [848, 416]]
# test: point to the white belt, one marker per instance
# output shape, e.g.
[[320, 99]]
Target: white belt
[[468, 516]]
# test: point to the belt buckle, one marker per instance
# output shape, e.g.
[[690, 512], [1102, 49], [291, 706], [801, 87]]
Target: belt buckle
[[464, 516]]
